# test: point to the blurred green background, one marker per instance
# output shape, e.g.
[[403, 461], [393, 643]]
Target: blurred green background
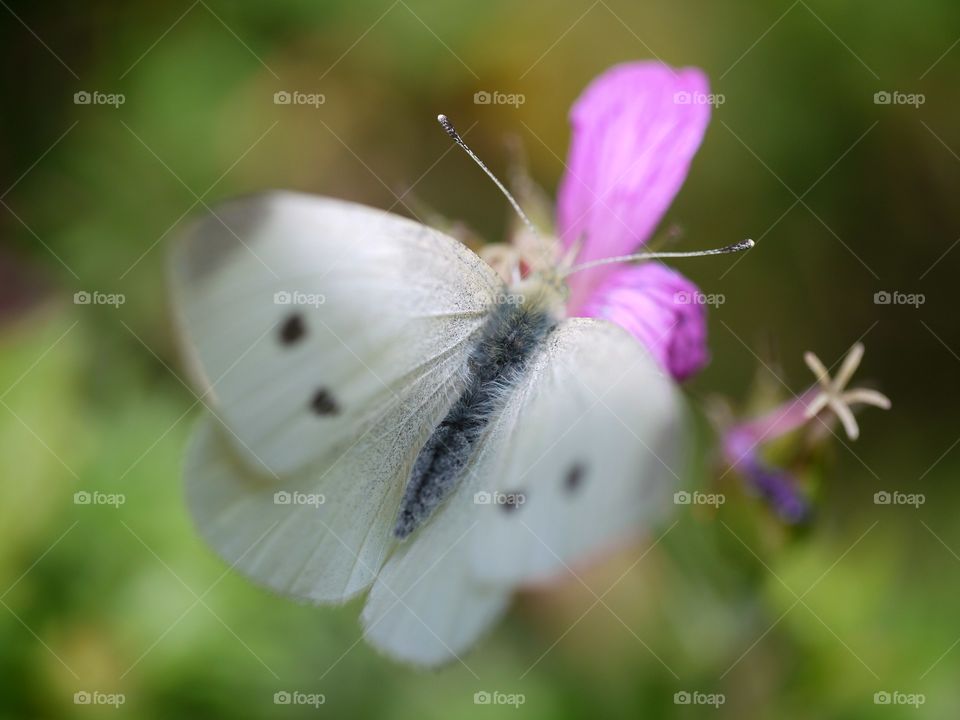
[[846, 198]]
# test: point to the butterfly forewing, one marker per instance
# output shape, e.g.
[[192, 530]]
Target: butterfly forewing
[[593, 455], [308, 317]]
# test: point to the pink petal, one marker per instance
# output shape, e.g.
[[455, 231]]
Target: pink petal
[[659, 307], [632, 142]]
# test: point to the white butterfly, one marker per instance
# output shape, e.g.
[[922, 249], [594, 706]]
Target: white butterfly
[[389, 416]]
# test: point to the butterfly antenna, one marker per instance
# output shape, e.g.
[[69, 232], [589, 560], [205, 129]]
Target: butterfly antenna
[[727, 250], [455, 136]]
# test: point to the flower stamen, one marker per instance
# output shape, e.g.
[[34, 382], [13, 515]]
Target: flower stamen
[[833, 396]]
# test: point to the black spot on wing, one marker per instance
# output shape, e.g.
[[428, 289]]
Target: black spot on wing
[[574, 477], [323, 403], [292, 329]]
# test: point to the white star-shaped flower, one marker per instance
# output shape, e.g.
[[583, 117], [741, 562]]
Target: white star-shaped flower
[[832, 394]]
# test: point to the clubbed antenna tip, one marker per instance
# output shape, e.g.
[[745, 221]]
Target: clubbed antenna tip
[[455, 136], [448, 126]]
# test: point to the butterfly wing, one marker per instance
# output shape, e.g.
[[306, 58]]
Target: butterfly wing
[[328, 339], [594, 456], [319, 534], [305, 315], [590, 400]]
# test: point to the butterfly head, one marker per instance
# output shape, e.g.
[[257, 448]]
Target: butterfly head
[[546, 288]]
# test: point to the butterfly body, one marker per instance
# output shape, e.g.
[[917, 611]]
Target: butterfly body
[[517, 326]]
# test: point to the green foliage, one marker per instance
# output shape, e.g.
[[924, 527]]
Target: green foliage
[[129, 600]]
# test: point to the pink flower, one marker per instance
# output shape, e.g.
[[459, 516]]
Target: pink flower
[[742, 445], [635, 131]]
